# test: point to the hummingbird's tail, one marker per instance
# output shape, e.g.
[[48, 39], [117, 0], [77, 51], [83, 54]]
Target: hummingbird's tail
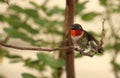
[[95, 48], [100, 50]]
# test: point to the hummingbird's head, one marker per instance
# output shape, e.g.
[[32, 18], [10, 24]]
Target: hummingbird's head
[[76, 30]]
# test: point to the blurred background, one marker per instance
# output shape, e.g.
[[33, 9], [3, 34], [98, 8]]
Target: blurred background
[[40, 23]]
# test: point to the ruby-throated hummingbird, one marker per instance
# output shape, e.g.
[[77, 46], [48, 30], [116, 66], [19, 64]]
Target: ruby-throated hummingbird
[[83, 41]]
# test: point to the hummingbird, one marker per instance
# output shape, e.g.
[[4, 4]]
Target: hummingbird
[[84, 41]]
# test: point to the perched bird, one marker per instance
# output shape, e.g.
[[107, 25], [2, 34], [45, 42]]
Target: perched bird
[[83, 41]]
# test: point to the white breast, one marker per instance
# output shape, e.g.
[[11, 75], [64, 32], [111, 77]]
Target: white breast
[[75, 38]]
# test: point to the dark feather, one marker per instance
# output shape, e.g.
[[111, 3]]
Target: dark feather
[[91, 38], [100, 50]]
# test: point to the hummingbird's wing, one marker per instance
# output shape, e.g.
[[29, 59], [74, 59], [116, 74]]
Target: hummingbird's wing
[[94, 42], [91, 38]]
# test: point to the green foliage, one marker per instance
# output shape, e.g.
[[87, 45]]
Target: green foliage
[[2, 76], [29, 12], [16, 8], [35, 64], [1, 18], [117, 9], [80, 7], [41, 21], [4, 1], [89, 16], [26, 75], [116, 66], [50, 61], [3, 52], [17, 34], [55, 10], [1, 0], [108, 47], [117, 46], [103, 2], [14, 57]]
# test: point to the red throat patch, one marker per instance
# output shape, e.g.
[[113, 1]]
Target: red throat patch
[[76, 32]]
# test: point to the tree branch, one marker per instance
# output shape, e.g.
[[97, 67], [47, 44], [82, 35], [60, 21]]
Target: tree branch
[[69, 55], [103, 33], [35, 49], [40, 49]]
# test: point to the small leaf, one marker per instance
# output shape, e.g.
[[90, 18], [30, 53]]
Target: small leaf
[[16, 8], [1, 76], [116, 65], [46, 59], [2, 18], [14, 57], [15, 61], [117, 9], [29, 28], [17, 34], [5, 1], [26, 75], [103, 2], [1, 0], [55, 10], [117, 46], [35, 64], [80, 7], [89, 16], [15, 22], [41, 21], [108, 47], [31, 12], [34, 4], [50, 61], [3, 52]]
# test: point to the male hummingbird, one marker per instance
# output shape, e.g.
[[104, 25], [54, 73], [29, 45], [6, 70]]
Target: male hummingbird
[[84, 41]]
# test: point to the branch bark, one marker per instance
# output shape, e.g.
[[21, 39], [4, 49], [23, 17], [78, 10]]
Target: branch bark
[[35, 49], [40, 49], [69, 19]]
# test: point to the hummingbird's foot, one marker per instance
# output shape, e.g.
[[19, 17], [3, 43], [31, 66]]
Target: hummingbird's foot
[[76, 49], [81, 51], [100, 50]]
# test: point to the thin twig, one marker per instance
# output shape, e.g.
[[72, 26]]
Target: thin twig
[[7, 2], [6, 39], [40, 49], [35, 49], [103, 33]]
